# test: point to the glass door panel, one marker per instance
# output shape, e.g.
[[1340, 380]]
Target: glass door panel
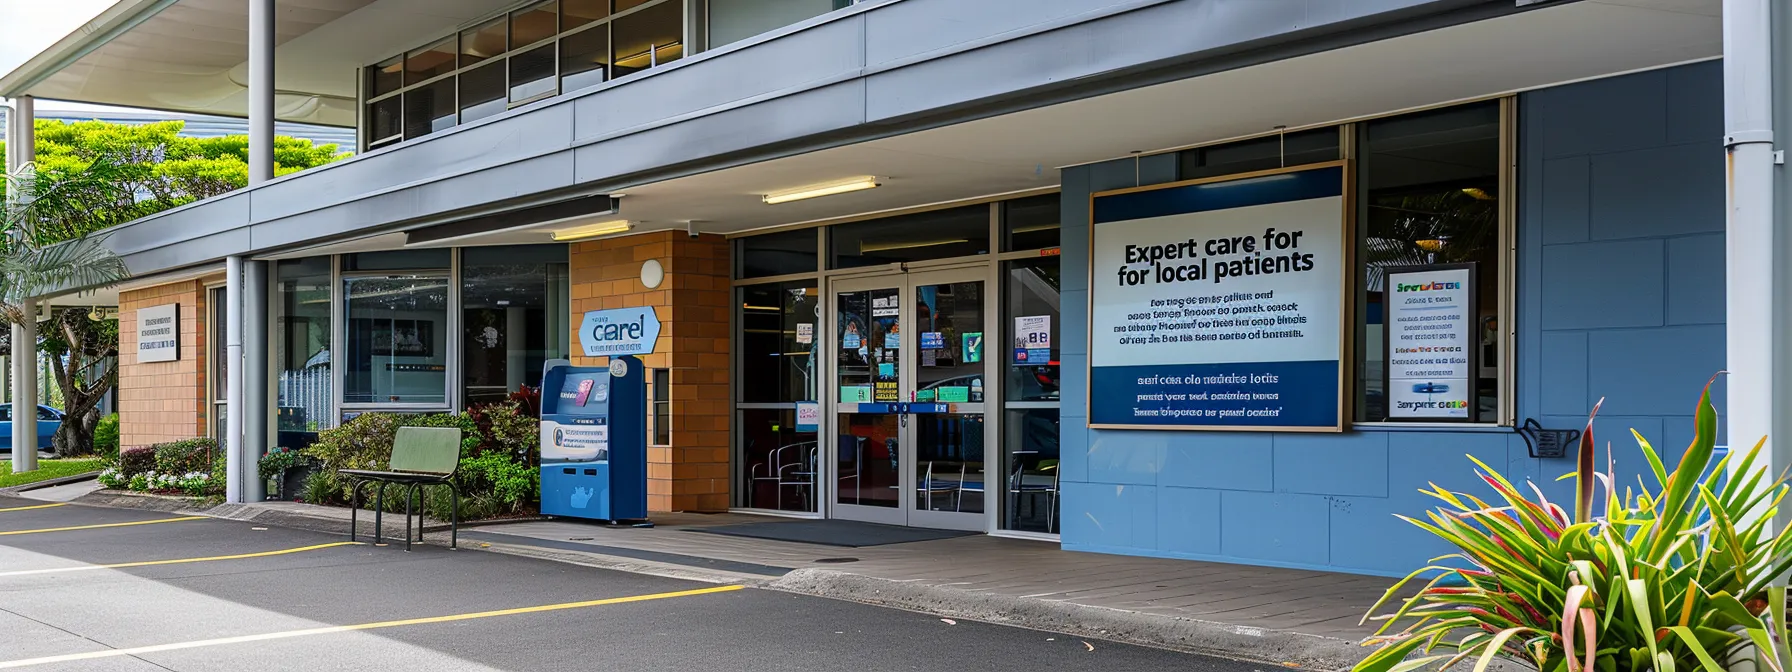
[[868, 431]]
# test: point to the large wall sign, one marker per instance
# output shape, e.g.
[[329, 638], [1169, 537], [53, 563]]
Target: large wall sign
[[622, 331], [1219, 304], [1431, 342], [158, 333]]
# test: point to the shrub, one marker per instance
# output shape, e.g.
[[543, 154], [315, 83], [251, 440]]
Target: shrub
[[511, 483], [507, 428], [278, 460], [105, 437], [113, 478], [1669, 579], [363, 442], [187, 456], [322, 487], [136, 460], [470, 436]]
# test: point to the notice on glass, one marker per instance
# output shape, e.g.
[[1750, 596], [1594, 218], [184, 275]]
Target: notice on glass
[[1218, 304], [1032, 339], [1430, 336], [805, 333]]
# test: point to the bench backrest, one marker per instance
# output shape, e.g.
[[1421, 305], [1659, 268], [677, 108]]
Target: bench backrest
[[426, 450]]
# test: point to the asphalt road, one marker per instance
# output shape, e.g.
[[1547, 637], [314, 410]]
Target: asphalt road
[[237, 597]]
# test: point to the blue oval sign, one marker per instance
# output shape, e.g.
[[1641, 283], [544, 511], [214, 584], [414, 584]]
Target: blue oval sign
[[622, 331]]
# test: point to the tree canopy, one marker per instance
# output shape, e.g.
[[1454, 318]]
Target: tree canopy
[[158, 167]]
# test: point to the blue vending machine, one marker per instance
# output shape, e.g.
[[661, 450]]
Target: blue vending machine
[[594, 441]]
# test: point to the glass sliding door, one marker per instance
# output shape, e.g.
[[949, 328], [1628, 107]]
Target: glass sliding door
[[512, 318], [302, 350], [780, 464], [1032, 326]]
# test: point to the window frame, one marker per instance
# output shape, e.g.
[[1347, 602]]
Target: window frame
[[659, 395]]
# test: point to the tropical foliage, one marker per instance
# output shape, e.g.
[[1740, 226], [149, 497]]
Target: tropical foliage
[[1671, 577]]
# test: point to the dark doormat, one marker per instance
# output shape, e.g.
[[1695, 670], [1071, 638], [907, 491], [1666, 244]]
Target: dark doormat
[[848, 533]]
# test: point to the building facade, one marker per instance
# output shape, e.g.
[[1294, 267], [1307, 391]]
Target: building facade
[[881, 239]]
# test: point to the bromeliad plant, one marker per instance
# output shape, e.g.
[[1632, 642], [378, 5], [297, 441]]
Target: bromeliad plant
[[1677, 577]]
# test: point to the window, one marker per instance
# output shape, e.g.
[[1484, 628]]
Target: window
[[776, 254], [647, 38], [432, 61], [1429, 194], [1265, 153], [1031, 326], [396, 349], [219, 365], [584, 59], [662, 407], [546, 48], [533, 24], [938, 234], [514, 310], [302, 350], [1030, 223], [778, 343], [735, 20]]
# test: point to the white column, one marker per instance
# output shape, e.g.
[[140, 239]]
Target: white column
[[233, 380], [1749, 221], [257, 404], [21, 149], [261, 91]]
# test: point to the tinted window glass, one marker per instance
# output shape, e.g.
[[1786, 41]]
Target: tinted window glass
[[429, 108], [776, 254], [650, 37], [398, 260], [1031, 223], [533, 24], [939, 234], [1266, 153], [433, 60], [584, 59], [532, 73], [385, 77], [575, 13], [483, 42], [774, 319], [482, 92]]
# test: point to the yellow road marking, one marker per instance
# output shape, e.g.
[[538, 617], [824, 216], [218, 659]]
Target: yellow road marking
[[39, 506], [289, 634], [95, 527], [177, 561]]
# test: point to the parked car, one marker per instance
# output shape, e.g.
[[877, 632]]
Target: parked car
[[48, 421]]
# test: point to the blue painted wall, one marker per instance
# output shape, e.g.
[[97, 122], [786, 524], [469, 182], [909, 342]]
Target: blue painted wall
[[1620, 294]]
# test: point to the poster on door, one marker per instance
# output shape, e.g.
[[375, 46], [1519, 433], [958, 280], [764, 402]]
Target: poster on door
[[1033, 339], [1220, 304], [1431, 329]]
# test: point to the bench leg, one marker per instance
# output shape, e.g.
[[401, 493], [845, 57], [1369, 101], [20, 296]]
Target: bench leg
[[409, 492], [453, 516], [354, 507], [379, 511]]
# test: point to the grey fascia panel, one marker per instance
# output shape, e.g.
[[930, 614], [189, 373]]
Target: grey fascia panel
[[223, 213], [187, 252], [907, 30], [813, 112], [823, 53], [524, 136]]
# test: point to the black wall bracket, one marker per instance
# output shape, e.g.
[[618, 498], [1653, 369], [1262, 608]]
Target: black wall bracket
[[1546, 443]]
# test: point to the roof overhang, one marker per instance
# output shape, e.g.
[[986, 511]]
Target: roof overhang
[[191, 55]]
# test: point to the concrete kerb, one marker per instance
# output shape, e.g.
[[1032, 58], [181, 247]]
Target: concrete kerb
[[1224, 640], [50, 483], [321, 521]]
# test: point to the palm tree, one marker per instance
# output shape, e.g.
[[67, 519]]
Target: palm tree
[[49, 242]]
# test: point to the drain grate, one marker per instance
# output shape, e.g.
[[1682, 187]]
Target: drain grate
[[835, 561]]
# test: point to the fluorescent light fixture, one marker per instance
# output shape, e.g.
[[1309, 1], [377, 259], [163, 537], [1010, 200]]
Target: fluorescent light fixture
[[593, 230], [817, 190]]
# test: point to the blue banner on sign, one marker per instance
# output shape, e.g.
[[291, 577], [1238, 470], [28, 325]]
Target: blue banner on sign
[[933, 340], [1267, 394], [622, 331]]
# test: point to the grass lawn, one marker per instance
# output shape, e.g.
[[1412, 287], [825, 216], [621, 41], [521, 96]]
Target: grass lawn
[[46, 470]]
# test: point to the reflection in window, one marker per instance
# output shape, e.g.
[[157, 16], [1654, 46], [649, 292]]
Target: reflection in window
[[396, 351], [385, 77], [385, 119], [513, 317], [735, 20], [783, 253], [431, 61], [938, 234], [1032, 329], [779, 464], [778, 340], [429, 109], [483, 41], [482, 92], [1265, 153], [1430, 193], [584, 59], [302, 350], [1031, 223], [532, 73], [575, 13], [662, 407], [652, 36], [533, 24]]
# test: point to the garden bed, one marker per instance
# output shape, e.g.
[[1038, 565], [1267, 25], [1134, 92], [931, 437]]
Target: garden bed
[[48, 470]]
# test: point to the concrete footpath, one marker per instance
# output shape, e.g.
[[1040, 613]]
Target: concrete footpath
[[1291, 618]]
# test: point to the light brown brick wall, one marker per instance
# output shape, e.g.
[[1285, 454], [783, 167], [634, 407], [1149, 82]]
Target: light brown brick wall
[[693, 306], [162, 401]]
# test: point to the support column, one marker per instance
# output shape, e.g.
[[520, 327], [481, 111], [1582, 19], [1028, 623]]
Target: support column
[[21, 150], [256, 398], [233, 380], [261, 91], [1749, 238]]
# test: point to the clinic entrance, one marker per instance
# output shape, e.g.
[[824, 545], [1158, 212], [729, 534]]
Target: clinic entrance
[[908, 423]]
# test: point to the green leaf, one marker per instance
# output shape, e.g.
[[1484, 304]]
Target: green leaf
[[1388, 656], [1698, 650], [1494, 647]]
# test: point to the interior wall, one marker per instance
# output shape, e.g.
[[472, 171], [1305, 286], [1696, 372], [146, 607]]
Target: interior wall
[[1620, 294]]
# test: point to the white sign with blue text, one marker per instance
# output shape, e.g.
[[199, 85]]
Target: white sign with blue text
[[621, 331], [1430, 337], [1219, 304]]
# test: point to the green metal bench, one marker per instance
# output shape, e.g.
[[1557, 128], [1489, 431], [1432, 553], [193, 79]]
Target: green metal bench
[[421, 457]]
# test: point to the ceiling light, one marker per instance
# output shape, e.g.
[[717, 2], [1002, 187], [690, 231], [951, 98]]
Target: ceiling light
[[816, 190], [593, 230]]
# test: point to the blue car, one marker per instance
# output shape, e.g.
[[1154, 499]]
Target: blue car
[[48, 420]]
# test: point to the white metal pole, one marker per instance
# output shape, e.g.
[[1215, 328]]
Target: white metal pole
[[1749, 238], [261, 91], [21, 150], [247, 398], [233, 380]]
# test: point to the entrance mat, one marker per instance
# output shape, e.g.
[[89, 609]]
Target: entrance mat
[[848, 533]]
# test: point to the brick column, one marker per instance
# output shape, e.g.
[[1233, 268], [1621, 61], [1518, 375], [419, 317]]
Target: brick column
[[163, 401], [692, 473]]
